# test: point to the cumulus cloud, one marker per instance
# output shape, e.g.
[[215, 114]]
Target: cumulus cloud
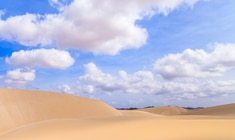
[[95, 80], [197, 63], [222, 58], [144, 82], [47, 58], [176, 90], [25, 29], [1, 13], [101, 27], [55, 3], [20, 76], [65, 89]]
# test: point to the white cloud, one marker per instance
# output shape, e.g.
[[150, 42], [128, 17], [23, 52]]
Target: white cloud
[[58, 4], [144, 82], [65, 89], [222, 58], [197, 63], [101, 27], [20, 76], [95, 80], [176, 90], [1, 13], [47, 58], [25, 29]]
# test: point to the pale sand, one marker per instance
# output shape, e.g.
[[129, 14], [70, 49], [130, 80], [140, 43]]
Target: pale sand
[[105, 123]]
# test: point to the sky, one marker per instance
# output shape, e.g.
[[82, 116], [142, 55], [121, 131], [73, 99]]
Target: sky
[[133, 53]]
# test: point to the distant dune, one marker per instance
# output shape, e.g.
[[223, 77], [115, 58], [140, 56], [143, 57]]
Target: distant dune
[[165, 110], [19, 107], [37, 115], [221, 110]]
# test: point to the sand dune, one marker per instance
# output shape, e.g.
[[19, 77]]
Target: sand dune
[[165, 110], [19, 107], [35, 115], [221, 110]]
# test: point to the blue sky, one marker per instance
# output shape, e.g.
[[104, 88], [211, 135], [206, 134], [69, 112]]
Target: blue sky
[[129, 54]]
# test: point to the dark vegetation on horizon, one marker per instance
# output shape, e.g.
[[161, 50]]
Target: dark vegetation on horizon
[[135, 108]]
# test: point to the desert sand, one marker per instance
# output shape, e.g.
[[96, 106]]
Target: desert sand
[[37, 115]]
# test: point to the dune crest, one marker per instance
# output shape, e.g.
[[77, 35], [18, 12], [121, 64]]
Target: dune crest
[[20, 107]]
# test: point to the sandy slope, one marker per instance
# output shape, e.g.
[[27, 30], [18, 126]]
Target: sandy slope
[[34, 115], [19, 107]]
